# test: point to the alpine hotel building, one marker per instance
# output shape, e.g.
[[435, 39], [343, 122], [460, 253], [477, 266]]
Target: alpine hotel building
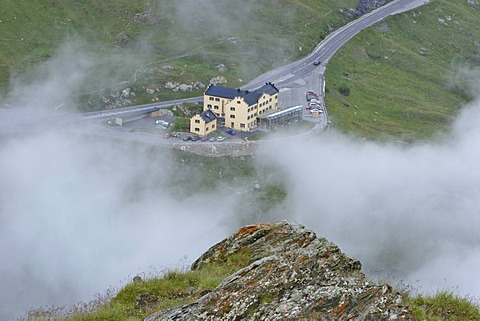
[[240, 108]]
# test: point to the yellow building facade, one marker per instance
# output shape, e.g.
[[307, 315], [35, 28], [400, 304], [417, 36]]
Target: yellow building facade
[[204, 123], [240, 108]]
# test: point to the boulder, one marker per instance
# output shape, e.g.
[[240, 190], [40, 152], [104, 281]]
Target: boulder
[[293, 275], [218, 80]]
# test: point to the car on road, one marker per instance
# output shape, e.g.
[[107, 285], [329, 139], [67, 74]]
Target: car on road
[[309, 95], [317, 62], [231, 131], [220, 139]]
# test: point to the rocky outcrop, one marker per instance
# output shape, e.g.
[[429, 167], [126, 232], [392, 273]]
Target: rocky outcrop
[[364, 6], [293, 275]]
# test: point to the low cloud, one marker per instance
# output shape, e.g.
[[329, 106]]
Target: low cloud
[[410, 214], [78, 217]]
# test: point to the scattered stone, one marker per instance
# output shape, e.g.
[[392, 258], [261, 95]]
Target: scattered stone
[[442, 21], [123, 39], [364, 6], [150, 91], [185, 87], [176, 86], [172, 85], [382, 26], [147, 17], [221, 68], [218, 80], [167, 68]]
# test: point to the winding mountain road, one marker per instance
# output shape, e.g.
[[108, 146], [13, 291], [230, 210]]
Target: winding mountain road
[[294, 79]]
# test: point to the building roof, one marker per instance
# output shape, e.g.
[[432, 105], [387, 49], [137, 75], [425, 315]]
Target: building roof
[[250, 97], [208, 116]]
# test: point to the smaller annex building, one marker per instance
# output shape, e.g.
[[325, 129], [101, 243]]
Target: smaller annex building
[[240, 109], [204, 123]]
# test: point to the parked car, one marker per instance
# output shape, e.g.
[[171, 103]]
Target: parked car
[[187, 138], [212, 139], [312, 105], [204, 138], [161, 124], [231, 131], [167, 135], [309, 95], [194, 138], [220, 139]]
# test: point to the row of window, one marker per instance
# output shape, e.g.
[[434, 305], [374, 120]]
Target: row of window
[[214, 107], [213, 98], [197, 129]]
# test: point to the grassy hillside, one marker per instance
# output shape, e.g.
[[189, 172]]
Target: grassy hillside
[[127, 42], [397, 76]]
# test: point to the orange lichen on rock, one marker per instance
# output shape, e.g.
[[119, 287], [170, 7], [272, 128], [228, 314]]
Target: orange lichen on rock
[[250, 229], [338, 311]]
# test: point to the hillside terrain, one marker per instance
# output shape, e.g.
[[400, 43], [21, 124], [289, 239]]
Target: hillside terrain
[[406, 77], [158, 50]]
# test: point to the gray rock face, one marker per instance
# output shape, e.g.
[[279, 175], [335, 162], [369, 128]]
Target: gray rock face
[[294, 275], [364, 6]]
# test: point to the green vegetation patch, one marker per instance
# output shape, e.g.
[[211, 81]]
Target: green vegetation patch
[[394, 80], [139, 299], [444, 305]]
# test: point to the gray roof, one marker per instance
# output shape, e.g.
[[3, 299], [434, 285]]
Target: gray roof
[[250, 97], [208, 116]]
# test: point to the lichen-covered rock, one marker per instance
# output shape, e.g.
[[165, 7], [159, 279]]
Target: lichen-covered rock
[[294, 275]]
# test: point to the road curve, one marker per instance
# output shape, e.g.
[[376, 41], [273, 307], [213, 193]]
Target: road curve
[[285, 75]]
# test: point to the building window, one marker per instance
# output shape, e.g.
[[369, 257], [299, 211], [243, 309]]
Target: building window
[[232, 108], [206, 129], [242, 125], [197, 121], [232, 116], [217, 99], [210, 98], [209, 106], [197, 129], [270, 99], [215, 107], [213, 126], [238, 101]]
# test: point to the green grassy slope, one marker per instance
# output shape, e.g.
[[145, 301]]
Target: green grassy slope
[[130, 40], [399, 73]]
